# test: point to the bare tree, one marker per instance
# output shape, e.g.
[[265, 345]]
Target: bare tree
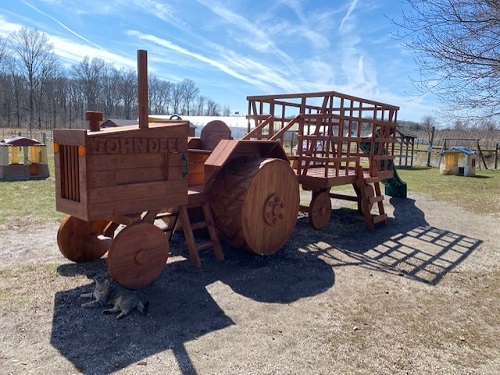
[[3, 79], [128, 92], [457, 49], [159, 95], [176, 97], [200, 105], [35, 61], [213, 108], [34, 89], [3, 51], [226, 111], [189, 92], [110, 96], [88, 76]]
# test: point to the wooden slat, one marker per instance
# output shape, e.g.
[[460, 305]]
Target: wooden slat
[[379, 218], [117, 208], [122, 193]]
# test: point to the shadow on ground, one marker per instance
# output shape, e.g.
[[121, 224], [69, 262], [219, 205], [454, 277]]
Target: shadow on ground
[[181, 308], [407, 246]]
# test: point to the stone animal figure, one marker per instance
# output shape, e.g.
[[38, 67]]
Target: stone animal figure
[[107, 294]]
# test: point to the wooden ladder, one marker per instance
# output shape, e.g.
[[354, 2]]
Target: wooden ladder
[[189, 227], [368, 195]]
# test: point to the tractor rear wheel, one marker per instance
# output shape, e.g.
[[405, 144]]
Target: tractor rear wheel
[[255, 202]]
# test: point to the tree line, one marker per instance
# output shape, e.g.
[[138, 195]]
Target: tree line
[[38, 92]]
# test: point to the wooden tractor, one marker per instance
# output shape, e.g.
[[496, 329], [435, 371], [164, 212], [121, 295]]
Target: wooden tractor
[[123, 189]]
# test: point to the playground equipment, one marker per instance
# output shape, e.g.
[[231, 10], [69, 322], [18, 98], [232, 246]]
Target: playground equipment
[[23, 158], [342, 140], [118, 184]]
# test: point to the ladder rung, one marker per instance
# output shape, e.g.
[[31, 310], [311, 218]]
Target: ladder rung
[[166, 214], [380, 198], [371, 180], [379, 218], [344, 197], [199, 225], [204, 246]]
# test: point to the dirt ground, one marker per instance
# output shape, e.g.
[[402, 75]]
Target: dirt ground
[[418, 296]]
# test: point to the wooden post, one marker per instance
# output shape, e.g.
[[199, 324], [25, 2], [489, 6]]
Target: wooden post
[[94, 119], [496, 155], [481, 154], [429, 150], [142, 88]]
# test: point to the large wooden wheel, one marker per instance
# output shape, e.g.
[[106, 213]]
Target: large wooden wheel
[[320, 210], [73, 239], [255, 203], [137, 255]]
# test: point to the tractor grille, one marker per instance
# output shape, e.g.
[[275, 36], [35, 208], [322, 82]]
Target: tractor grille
[[70, 173]]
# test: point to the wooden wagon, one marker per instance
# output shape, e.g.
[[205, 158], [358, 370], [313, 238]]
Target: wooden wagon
[[341, 139]]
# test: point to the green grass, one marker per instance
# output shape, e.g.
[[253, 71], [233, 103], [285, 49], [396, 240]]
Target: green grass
[[479, 194], [31, 201]]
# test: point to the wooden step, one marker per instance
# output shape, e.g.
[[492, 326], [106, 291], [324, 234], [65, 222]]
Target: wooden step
[[380, 198], [188, 227], [372, 180], [379, 218], [204, 246], [199, 225], [366, 201]]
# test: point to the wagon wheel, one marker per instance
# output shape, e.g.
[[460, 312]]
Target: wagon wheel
[[73, 239], [370, 194], [320, 210], [137, 255]]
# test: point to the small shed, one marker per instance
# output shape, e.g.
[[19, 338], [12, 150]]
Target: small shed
[[459, 161], [23, 158]]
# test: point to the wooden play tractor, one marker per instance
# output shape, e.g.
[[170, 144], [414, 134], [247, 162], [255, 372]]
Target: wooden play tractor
[[117, 183]]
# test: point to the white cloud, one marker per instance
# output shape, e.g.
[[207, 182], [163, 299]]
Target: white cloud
[[250, 34], [63, 25], [214, 63], [75, 52], [6, 27], [352, 6]]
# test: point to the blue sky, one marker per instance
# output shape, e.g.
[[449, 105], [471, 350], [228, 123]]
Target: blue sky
[[236, 48]]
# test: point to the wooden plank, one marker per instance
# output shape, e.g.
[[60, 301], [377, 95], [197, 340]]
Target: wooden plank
[[100, 178], [124, 161], [178, 129], [139, 175], [72, 208], [175, 173], [70, 136], [218, 158], [101, 163], [176, 159], [121, 193], [128, 206]]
